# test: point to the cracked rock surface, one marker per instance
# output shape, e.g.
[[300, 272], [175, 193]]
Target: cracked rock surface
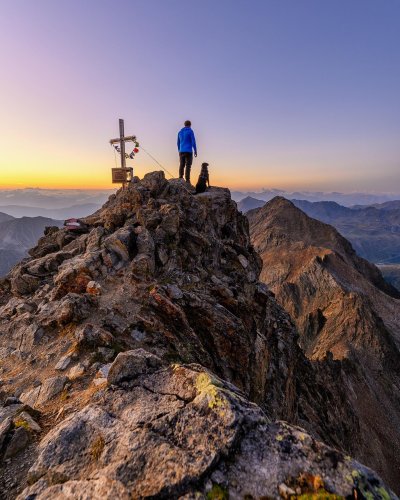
[[183, 431]]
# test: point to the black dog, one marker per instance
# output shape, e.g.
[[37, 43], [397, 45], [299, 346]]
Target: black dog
[[204, 179]]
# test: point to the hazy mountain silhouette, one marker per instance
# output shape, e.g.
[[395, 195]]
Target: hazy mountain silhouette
[[18, 235], [53, 213], [345, 199]]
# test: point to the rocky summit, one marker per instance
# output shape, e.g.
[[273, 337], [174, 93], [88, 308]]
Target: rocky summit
[[343, 309], [144, 359]]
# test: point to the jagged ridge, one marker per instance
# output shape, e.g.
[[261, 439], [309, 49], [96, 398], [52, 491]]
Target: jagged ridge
[[341, 305], [175, 275]]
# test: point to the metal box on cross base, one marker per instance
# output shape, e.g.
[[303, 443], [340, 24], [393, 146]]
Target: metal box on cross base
[[122, 175]]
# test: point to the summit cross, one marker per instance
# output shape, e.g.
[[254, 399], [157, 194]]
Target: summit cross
[[121, 174]]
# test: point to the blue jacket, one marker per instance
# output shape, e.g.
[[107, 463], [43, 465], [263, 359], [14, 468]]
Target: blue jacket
[[186, 141]]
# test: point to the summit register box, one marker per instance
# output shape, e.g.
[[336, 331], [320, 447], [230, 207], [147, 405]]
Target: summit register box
[[121, 175]]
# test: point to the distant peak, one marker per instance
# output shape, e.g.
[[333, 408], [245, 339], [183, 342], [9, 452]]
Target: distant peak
[[280, 200]]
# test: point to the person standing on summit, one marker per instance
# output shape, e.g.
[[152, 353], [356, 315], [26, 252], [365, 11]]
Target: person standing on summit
[[186, 147]]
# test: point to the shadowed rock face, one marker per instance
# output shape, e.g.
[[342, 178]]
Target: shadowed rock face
[[172, 276], [340, 305]]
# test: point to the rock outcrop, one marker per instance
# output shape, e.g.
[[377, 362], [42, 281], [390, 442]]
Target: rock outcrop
[[121, 337], [343, 309], [181, 432]]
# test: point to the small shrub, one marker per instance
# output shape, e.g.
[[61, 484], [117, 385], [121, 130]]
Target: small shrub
[[64, 395], [97, 447], [217, 492]]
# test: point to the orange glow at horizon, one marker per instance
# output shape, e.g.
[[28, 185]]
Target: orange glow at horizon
[[85, 179], [77, 169], [97, 175], [102, 181]]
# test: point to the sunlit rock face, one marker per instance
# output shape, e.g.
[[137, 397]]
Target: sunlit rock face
[[150, 354]]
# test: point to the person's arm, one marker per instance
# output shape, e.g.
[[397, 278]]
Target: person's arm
[[178, 141], [194, 144], [208, 179]]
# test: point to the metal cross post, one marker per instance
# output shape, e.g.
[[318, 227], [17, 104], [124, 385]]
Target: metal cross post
[[120, 175], [122, 142]]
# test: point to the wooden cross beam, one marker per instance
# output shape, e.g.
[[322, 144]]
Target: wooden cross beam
[[121, 174]]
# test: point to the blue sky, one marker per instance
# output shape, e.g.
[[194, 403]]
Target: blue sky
[[300, 94]]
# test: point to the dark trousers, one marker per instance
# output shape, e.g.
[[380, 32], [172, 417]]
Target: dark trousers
[[185, 160]]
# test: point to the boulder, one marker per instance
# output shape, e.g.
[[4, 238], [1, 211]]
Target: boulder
[[50, 388], [121, 244], [76, 371], [5, 427], [131, 364], [27, 421], [30, 397], [13, 410], [93, 336], [19, 441], [142, 265], [181, 432], [155, 182], [244, 262], [174, 292], [106, 353], [73, 276], [104, 370], [23, 283], [63, 362], [73, 307], [93, 288], [100, 381]]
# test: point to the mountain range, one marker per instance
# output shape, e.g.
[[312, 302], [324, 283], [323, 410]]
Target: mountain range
[[52, 198], [374, 231], [17, 236], [345, 199], [53, 213], [53, 203], [146, 359]]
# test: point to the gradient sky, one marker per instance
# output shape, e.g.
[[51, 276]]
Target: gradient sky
[[291, 94]]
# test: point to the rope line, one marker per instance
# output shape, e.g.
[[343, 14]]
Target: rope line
[[169, 173], [116, 149], [158, 163]]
